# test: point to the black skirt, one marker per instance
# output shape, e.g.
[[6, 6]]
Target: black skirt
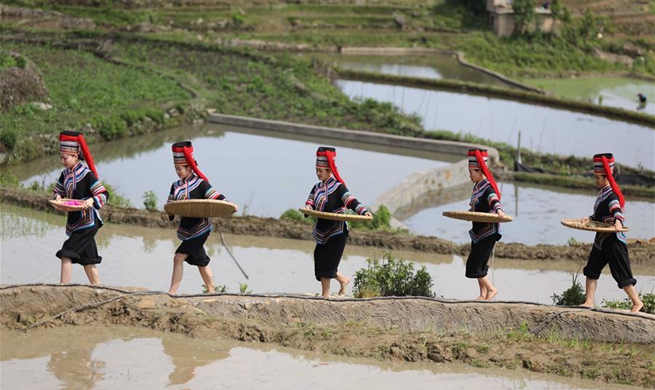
[[328, 256], [195, 250], [477, 262], [81, 247]]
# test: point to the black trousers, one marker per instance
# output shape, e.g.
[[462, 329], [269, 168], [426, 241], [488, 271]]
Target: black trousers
[[328, 256], [614, 253]]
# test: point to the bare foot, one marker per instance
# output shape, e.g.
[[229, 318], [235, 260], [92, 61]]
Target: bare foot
[[637, 307], [588, 305], [480, 298], [343, 286], [491, 294], [325, 296]]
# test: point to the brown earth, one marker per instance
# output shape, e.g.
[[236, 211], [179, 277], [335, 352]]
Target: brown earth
[[20, 85], [607, 346], [641, 251]]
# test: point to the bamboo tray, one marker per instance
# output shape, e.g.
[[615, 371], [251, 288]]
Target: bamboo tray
[[201, 208], [67, 204], [475, 216], [594, 226], [335, 216]]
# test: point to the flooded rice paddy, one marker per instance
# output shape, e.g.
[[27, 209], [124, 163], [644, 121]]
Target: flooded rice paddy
[[543, 129], [137, 256], [618, 92], [100, 357], [433, 66]]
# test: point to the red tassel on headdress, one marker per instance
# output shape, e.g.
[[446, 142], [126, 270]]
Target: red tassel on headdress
[[87, 155], [333, 167], [192, 163], [487, 172], [613, 183]]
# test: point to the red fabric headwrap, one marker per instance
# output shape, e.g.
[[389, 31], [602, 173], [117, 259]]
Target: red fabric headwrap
[[487, 172], [613, 183], [333, 167], [188, 156], [85, 150]]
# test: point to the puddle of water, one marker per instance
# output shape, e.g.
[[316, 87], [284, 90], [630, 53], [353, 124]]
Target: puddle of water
[[264, 175], [607, 91], [537, 213], [136, 256], [434, 66], [101, 357], [543, 129]]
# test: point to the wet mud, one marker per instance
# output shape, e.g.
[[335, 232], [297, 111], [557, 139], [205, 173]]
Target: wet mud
[[608, 346]]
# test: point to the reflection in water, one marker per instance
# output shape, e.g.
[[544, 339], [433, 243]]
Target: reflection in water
[[129, 261], [132, 358], [16, 226], [434, 66], [538, 219], [545, 130]]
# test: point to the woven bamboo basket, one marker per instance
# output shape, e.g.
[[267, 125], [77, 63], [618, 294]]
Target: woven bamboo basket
[[475, 216], [67, 204], [201, 208], [599, 227], [335, 216]]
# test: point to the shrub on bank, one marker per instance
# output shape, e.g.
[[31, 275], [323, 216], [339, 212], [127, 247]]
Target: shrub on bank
[[648, 299], [573, 296], [391, 277]]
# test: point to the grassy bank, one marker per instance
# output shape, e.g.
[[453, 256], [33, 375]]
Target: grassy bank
[[85, 91]]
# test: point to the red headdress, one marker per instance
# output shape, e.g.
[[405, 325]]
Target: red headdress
[[604, 164], [72, 142], [183, 155], [478, 160], [325, 159]]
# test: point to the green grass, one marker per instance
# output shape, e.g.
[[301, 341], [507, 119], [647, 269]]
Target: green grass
[[243, 82], [518, 57], [83, 89]]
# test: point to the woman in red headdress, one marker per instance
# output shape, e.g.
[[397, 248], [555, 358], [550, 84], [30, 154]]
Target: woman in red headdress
[[609, 248], [486, 199], [79, 182], [192, 231], [330, 194]]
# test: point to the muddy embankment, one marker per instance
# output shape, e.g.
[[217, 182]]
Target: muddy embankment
[[484, 334], [641, 251]]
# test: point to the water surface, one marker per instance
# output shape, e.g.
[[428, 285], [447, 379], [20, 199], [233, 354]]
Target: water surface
[[265, 175], [143, 257], [432, 66], [537, 212], [100, 357], [543, 129]]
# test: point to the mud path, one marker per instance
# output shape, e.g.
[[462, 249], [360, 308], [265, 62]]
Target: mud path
[[641, 251], [609, 346]]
